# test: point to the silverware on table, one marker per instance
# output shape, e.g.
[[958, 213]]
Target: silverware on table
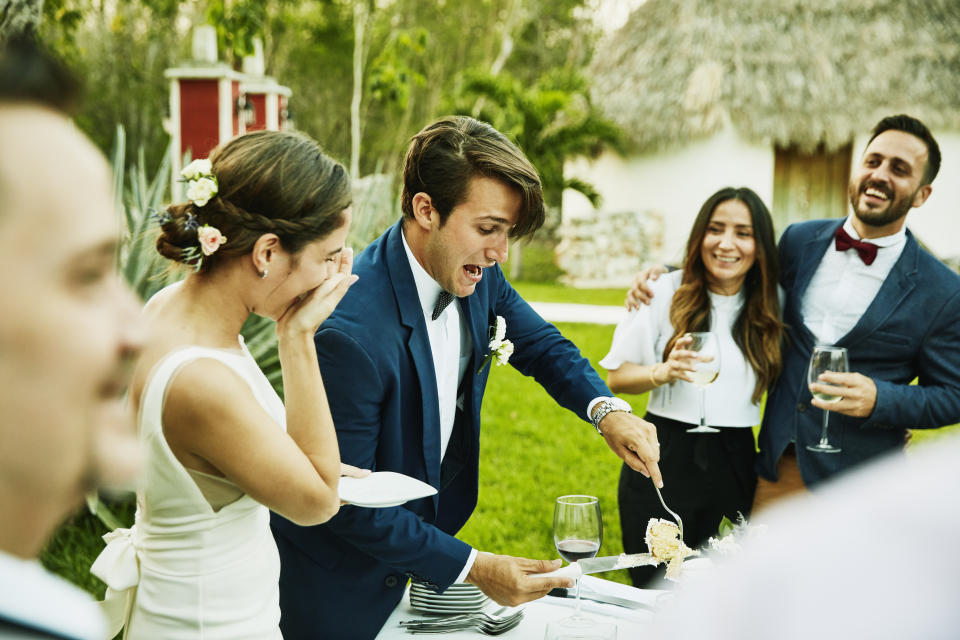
[[491, 624]]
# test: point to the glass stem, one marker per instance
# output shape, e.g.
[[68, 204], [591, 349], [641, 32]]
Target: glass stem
[[577, 610], [703, 407], [823, 432]]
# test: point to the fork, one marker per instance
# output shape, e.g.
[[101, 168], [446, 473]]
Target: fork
[[489, 624], [670, 511], [484, 627]]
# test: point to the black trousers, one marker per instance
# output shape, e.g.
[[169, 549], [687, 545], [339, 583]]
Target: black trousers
[[705, 475]]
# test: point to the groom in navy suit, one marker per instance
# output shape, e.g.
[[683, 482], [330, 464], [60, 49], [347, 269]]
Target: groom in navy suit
[[405, 362], [864, 283]]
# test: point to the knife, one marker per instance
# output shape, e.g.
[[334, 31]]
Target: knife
[[597, 565], [560, 592]]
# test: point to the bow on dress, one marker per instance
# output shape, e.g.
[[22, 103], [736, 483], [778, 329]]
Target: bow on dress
[[119, 567]]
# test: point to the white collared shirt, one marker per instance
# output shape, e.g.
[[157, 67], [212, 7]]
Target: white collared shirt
[[32, 596], [843, 286], [450, 345], [451, 348]]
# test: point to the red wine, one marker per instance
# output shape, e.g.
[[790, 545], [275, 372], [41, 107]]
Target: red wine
[[573, 550]]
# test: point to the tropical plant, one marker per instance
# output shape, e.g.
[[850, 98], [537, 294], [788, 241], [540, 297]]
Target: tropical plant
[[552, 120]]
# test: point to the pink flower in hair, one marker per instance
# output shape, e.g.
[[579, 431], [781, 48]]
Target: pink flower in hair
[[210, 239]]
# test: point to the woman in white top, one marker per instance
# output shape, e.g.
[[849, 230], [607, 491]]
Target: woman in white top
[[728, 285], [264, 233]]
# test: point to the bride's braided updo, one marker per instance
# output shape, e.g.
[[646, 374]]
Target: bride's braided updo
[[268, 182]]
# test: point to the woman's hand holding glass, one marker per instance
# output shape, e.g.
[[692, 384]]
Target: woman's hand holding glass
[[680, 364]]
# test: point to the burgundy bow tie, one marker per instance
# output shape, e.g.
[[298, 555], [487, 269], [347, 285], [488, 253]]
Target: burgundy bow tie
[[866, 250]]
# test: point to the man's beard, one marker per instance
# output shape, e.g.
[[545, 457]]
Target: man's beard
[[896, 208]]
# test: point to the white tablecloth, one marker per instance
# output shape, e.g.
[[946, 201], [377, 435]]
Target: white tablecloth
[[630, 622]]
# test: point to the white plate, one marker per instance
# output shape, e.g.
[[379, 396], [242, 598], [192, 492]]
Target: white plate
[[447, 602], [435, 608], [459, 588], [383, 489]]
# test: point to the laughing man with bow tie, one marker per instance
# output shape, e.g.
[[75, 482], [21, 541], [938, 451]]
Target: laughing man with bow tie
[[864, 283], [404, 361]]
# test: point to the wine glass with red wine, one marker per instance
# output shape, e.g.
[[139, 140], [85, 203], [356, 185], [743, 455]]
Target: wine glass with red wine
[[577, 530]]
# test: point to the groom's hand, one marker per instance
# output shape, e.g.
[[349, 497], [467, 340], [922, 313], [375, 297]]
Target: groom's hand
[[507, 580], [635, 441]]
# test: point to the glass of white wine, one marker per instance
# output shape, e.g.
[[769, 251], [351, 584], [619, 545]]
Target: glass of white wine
[[825, 358], [705, 371]]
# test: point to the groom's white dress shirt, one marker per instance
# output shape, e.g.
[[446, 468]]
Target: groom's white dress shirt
[[451, 347]]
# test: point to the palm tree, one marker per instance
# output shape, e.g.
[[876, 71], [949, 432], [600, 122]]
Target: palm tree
[[550, 121]]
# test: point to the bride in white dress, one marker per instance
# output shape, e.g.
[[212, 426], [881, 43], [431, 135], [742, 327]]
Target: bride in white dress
[[264, 231]]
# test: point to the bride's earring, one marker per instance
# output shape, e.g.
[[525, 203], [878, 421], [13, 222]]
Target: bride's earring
[[263, 274]]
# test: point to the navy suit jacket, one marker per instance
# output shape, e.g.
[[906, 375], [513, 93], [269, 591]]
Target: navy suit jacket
[[910, 330], [342, 579]]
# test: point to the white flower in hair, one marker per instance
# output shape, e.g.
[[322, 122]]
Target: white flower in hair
[[197, 169], [200, 191]]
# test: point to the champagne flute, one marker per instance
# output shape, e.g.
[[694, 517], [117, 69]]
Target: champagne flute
[[577, 531], [825, 358], [704, 373]]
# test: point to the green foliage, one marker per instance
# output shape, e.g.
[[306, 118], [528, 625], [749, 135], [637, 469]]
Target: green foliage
[[395, 71], [726, 527], [552, 120], [120, 52], [237, 23]]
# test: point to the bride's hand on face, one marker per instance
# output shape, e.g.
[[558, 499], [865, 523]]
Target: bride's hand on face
[[307, 313]]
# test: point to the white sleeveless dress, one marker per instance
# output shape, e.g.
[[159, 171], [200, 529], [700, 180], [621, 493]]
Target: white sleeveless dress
[[185, 570]]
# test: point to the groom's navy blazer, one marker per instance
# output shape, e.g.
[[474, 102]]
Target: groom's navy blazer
[[910, 330], [342, 579]]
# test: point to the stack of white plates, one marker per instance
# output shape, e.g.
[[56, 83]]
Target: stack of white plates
[[459, 598]]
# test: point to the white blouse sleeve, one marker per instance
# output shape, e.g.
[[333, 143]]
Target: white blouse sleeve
[[637, 336]]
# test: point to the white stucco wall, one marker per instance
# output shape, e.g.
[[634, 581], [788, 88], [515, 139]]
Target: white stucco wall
[[677, 181], [674, 182], [937, 222]]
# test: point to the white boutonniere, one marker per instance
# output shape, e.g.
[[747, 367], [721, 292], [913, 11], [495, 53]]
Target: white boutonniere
[[500, 347]]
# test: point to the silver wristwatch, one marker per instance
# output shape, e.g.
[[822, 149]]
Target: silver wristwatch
[[605, 406]]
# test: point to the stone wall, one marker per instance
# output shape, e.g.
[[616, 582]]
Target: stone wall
[[606, 248]]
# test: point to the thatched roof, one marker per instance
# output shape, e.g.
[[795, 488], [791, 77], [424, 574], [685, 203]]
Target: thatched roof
[[801, 72]]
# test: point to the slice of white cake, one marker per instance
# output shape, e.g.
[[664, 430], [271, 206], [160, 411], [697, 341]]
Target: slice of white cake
[[663, 540]]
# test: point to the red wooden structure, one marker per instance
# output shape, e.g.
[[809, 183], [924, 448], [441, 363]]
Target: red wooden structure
[[211, 103]]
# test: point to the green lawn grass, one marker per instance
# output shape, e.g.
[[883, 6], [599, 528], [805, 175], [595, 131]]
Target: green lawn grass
[[531, 451], [546, 292]]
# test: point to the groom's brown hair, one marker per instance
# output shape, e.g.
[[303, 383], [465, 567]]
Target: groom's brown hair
[[446, 155]]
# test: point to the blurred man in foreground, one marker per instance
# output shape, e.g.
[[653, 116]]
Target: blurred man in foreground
[[66, 337]]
